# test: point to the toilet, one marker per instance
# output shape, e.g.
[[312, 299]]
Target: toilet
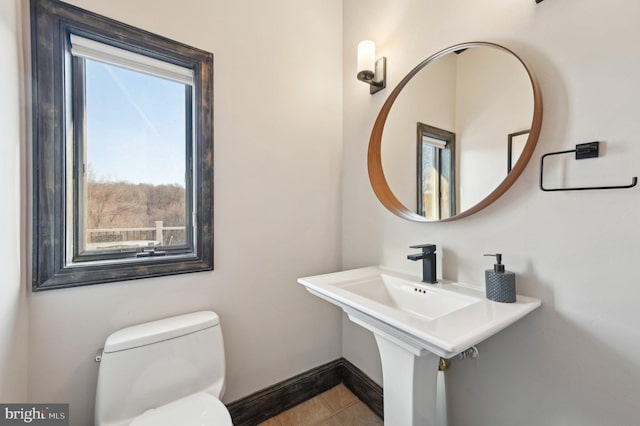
[[164, 373]]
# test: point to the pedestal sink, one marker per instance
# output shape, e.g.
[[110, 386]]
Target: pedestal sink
[[414, 325]]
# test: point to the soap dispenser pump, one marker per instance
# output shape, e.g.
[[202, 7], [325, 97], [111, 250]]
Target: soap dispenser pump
[[500, 285]]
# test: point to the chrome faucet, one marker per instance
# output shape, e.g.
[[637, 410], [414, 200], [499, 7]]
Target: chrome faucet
[[428, 257]]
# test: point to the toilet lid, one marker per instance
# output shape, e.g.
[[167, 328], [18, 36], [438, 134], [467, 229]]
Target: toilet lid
[[199, 409]]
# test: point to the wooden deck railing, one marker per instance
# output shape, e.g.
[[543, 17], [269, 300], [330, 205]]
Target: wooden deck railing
[[158, 235]]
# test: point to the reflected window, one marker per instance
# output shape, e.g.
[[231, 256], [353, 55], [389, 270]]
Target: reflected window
[[436, 172]]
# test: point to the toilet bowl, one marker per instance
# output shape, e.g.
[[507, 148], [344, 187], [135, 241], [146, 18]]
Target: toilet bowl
[[166, 372]]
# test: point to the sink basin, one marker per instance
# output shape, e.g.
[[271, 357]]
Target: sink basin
[[414, 325], [445, 318], [424, 301]]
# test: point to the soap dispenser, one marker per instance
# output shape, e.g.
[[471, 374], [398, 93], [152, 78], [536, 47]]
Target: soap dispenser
[[500, 285]]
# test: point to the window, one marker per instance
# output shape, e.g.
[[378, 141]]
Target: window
[[122, 151], [436, 173]]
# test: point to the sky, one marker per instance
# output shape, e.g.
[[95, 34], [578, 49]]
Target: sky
[[135, 126]]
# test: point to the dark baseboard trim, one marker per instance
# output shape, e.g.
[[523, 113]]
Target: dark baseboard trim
[[262, 405], [363, 387], [269, 402]]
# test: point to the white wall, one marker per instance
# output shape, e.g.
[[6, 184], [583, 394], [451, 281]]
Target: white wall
[[574, 361], [13, 316], [494, 99], [278, 145], [279, 110]]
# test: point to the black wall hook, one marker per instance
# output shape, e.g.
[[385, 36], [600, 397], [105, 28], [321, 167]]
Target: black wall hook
[[583, 150]]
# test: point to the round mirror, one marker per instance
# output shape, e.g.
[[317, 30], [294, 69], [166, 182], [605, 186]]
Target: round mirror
[[455, 133]]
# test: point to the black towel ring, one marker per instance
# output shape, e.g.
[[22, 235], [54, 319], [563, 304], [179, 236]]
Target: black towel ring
[[583, 150]]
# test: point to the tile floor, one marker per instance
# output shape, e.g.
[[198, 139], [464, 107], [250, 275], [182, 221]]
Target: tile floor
[[335, 407]]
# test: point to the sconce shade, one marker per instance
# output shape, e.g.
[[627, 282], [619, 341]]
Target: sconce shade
[[366, 60], [371, 71]]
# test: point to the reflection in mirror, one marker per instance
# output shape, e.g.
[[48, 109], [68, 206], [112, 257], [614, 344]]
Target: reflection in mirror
[[478, 92], [515, 144], [436, 172]]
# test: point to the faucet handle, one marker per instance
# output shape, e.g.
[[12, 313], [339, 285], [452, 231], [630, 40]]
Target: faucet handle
[[426, 248]]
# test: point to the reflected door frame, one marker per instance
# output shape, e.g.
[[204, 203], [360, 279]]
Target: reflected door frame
[[448, 139]]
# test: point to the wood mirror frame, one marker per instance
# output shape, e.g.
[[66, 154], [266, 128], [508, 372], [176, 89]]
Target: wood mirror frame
[[374, 158]]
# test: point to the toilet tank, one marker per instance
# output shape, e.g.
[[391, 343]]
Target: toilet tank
[[152, 364]]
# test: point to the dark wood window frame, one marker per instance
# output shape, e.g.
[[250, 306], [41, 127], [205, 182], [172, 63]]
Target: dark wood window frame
[[51, 24], [449, 138]]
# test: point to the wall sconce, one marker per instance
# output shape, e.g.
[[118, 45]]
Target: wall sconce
[[370, 70]]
